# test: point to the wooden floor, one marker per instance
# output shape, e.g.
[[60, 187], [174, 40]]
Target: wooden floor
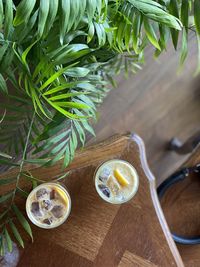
[[157, 104]]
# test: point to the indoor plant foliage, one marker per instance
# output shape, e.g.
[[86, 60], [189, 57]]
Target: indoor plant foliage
[[57, 58]]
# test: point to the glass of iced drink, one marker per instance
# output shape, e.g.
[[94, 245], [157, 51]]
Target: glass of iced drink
[[116, 181], [48, 205]]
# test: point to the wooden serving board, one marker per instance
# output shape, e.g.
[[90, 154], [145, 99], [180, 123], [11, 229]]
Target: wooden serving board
[[98, 233]]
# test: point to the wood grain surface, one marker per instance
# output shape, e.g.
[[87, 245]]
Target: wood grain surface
[[98, 233], [181, 206], [130, 259]]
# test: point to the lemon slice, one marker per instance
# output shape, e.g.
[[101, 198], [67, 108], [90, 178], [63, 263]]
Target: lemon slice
[[62, 194], [120, 178]]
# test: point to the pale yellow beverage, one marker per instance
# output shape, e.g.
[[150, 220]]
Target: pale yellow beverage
[[116, 181], [48, 205]]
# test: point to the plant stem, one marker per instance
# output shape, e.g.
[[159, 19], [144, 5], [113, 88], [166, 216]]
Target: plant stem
[[23, 158]]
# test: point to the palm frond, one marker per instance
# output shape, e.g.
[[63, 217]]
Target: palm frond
[[60, 142], [13, 127]]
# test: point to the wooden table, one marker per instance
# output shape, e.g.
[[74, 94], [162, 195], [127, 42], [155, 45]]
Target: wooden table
[[98, 233]]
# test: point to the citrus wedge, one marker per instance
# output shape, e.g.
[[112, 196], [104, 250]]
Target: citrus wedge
[[62, 194], [120, 178]]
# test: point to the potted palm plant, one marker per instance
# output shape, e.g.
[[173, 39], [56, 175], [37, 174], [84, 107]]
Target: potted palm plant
[[57, 61]]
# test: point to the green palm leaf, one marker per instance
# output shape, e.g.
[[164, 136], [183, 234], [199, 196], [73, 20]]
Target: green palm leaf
[[43, 13], [155, 11], [1, 13], [8, 18], [8, 240], [16, 234], [151, 33], [65, 14], [22, 220], [5, 197], [23, 11], [3, 86]]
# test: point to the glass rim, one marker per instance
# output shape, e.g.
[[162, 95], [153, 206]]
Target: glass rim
[[31, 217]]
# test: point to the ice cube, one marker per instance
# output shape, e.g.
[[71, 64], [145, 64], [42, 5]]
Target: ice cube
[[42, 193], [52, 194], [104, 189], [104, 175], [48, 221], [57, 211], [46, 204], [35, 209], [113, 185], [120, 196]]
